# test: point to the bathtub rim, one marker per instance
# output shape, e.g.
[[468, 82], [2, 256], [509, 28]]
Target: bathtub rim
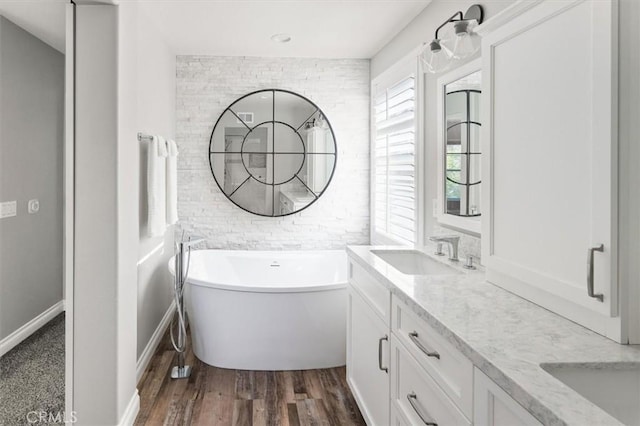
[[262, 289]]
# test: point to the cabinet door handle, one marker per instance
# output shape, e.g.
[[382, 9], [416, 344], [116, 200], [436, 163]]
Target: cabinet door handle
[[590, 291], [385, 369], [428, 352], [426, 418]]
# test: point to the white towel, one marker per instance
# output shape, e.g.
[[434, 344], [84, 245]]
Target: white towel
[[172, 183], [156, 187]]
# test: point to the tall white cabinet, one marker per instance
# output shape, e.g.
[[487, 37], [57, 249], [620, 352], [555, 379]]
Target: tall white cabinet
[[550, 146]]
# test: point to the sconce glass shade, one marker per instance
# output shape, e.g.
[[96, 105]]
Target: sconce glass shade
[[466, 45], [435, 57]]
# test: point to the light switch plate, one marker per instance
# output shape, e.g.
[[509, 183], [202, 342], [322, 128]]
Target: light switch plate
[[8, 209]]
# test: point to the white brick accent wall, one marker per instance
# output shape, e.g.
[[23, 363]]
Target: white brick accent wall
[[206, 85]]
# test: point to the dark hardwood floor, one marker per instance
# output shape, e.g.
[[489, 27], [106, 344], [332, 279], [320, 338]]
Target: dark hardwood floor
[[217, 396]]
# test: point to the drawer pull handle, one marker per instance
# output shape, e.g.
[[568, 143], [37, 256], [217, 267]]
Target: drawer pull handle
[[428, 352], [413, 400], [382, 339], [590, 291]]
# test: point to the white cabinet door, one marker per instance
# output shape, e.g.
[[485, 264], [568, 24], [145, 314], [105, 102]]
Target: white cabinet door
[[549, 102], [493, 407], [367, 360]]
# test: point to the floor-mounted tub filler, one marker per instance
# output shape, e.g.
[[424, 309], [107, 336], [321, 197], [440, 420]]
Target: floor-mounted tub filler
[[181, 263], [267, 310]]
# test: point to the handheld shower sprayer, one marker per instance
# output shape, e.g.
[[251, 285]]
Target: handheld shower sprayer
[[182, 260]]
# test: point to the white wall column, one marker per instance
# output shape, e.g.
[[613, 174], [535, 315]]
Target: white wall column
[[105, 279]]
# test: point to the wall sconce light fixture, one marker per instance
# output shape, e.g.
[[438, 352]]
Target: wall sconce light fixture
[[437, 56]]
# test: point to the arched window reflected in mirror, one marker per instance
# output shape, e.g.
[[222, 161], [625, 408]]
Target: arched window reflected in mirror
[[272, 152]]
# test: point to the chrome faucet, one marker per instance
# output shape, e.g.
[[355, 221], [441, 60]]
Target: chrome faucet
[[452, 243]]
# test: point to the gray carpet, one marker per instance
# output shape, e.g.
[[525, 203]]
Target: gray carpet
[[32, 377]]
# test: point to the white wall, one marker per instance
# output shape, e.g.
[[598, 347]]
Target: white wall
[[207, 85], [96, 340], [106, 215], [127, 208], [125, 84], [155, 114], [31, 144], [422, 29]]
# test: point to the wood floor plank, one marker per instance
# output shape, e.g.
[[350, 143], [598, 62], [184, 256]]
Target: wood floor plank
[[156, 377], [215, 396], [259, 413], [216, 410], [187, 419], [244, 385], [298, 382], [176, 412], [288, 385], [294, 419], [259, 384], [312, 384], [242, 412], [333, 399], [311, 414]]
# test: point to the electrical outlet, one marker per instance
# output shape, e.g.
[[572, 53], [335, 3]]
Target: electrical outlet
[[8, 209], [33, 206], [434, 207]]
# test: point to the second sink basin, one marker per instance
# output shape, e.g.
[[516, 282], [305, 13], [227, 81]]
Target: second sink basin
[[614, 387], [413, 262]]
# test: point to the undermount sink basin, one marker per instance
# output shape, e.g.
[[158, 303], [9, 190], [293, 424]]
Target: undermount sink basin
[[613, 387], [413, 262]]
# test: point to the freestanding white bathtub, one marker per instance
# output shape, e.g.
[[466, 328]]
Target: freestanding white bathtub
[[268, 310]]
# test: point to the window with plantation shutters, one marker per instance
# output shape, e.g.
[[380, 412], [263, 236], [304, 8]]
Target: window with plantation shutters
[[394, 165]]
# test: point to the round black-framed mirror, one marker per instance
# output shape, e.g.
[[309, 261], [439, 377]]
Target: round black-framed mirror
[[272, 152]]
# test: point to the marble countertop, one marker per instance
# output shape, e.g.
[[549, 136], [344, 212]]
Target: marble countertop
[[505, 336]]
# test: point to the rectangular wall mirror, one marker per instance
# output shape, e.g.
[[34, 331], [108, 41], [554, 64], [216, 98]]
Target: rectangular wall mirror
[[459, 148]]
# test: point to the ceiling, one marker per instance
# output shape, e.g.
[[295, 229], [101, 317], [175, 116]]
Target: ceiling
[[318, 28], [44, 19]]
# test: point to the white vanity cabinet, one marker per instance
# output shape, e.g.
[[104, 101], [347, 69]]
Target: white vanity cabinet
[[494, 407], [403, 372], [549, 101], [293, 201], [368, 345]]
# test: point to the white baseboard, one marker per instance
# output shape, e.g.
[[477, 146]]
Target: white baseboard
[[12, 340], [151, 347], [130, 413]]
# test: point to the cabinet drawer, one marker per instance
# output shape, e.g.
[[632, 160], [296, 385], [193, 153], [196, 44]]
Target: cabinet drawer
[[376, 295], [447, 366], [398, 418], [416, 395], [494, 407]]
